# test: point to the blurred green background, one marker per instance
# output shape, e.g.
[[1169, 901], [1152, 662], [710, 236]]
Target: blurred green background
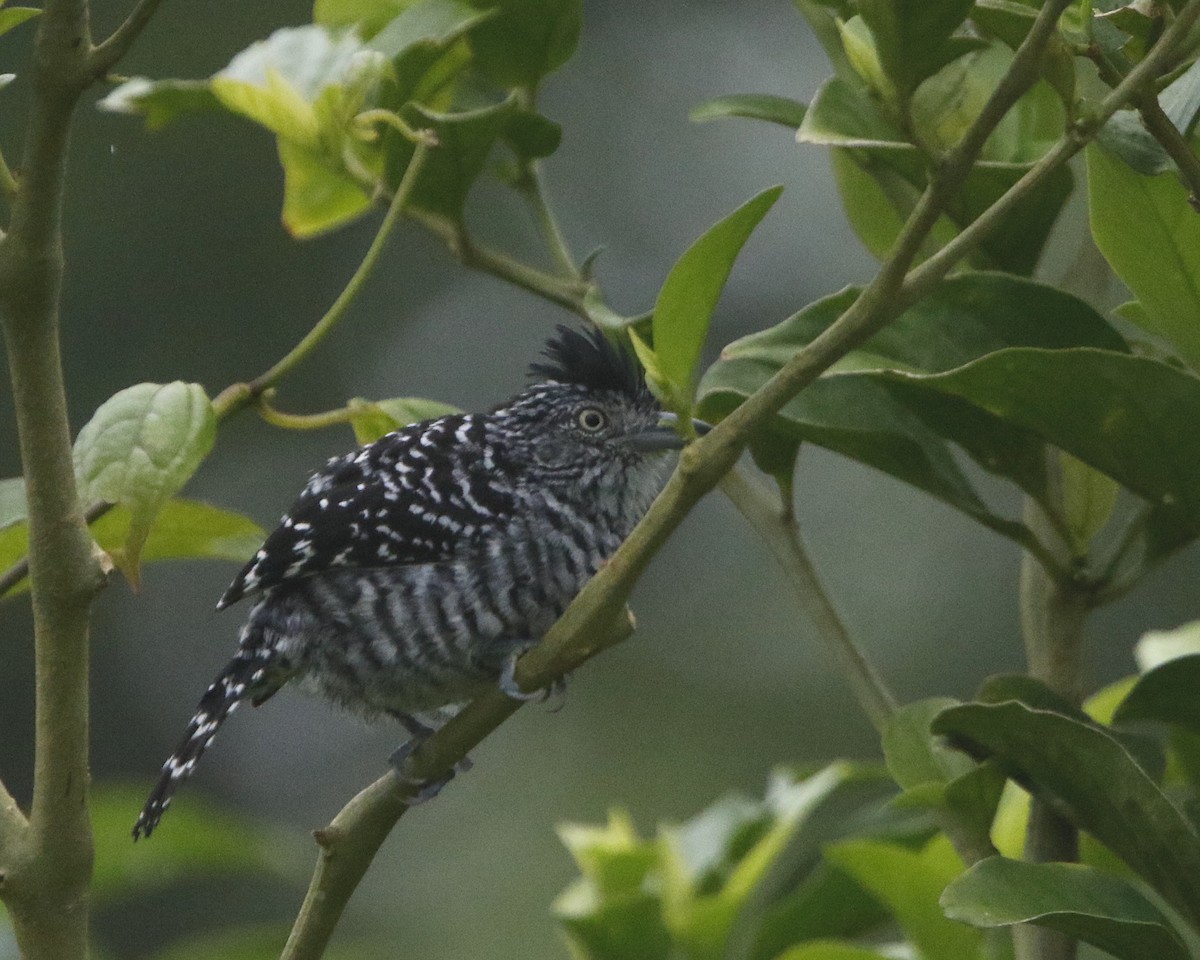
[[179, 269]]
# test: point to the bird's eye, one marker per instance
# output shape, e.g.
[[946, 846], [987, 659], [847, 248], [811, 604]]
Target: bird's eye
[[592, 420]]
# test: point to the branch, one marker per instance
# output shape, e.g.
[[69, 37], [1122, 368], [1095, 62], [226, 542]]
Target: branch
[[48, 861], [105, 56], [782, 536], [1159, 126], [566, 293]]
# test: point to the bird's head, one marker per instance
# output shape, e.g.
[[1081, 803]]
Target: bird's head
[[589, 417]]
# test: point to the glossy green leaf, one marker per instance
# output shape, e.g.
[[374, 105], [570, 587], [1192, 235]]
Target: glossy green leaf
[[1106, 911], [822, 18], [139, 449], [753, 106], [1086, 775], [1007, 20], [201, 841], [914, 36], [909, 883], [830, 950], [864, 412], [161, 101], [526, 40], [1169, 693], [373, 419], [11, 17], [1150, 235], [844, 115], [689, 295], [1129, 417]]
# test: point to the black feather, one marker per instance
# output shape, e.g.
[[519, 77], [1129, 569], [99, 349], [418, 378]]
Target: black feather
[[588, 358]]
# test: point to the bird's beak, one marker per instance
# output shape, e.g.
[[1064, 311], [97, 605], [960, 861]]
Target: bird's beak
[[665, 435]]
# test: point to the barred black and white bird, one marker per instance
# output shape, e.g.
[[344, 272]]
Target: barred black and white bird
[[411, 573]]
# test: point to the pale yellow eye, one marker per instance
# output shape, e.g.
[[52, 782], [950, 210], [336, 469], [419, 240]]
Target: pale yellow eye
[[592, 420]]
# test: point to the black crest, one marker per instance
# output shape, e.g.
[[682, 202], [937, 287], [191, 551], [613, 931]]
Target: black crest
[[589, 359]]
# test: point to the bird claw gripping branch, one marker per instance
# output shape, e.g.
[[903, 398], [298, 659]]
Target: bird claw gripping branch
[[409, 573]]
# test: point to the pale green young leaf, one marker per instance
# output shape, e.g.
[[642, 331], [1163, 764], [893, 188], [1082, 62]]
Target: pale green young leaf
[[139, 449], [1089, 498], [161, 101], [316, 196], [1157, 647], [689, 295]]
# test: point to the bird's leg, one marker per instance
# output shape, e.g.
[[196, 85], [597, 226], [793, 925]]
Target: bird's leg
[[508, 681], [420, 732]]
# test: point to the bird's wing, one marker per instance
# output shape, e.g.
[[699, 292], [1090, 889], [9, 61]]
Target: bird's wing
[[420, 495]]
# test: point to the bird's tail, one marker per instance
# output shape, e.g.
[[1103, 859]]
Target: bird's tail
[[246, 677]]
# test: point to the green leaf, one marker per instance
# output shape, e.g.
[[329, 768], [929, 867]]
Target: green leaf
[[1087, 776], [1106, 911], [913, 755], [830, 950], [316, 198], [139, 449], [844, 115], [161, 101], [1150, 235], [1129, 417], [1089, 498], [532, 136], [913, 36], [202, 841], [909, 883], [11, 17], [753, 106], [689, 295], [1166, 694], [863, 411], [526, 40], [374, 419], [465, 141]]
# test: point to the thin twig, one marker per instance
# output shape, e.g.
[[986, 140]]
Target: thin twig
[[564, 292], [303, 421], [104, 56], [782, 536], [1160, 127]]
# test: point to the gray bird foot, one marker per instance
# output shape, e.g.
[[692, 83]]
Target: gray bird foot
[[508, 680], [422, 789], [557, 691]]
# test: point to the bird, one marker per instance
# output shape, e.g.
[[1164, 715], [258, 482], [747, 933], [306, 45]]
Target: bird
[[410, 574]]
